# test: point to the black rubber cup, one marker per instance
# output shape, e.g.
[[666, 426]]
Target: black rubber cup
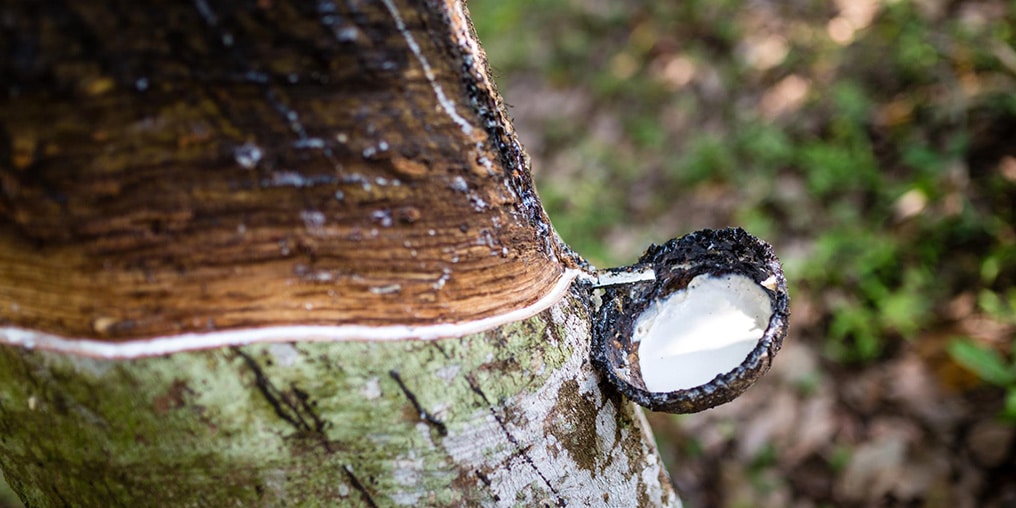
[[711, 252]]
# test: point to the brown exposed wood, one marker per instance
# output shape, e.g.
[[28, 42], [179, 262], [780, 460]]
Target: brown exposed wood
[[168, 167]]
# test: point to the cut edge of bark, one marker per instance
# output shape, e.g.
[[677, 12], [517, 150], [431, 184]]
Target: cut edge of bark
[[168, 344], [262, 224]]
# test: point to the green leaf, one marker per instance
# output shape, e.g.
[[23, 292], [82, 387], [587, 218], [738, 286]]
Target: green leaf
[[1009, 413], [987, 364]]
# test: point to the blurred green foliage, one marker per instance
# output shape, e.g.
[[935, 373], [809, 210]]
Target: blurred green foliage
[[991, 367], [880, 163], [986, 362]]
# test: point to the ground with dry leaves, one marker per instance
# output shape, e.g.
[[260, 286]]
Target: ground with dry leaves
[[871, 143]]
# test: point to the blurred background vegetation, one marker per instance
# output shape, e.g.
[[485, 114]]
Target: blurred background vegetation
[[873, 143]]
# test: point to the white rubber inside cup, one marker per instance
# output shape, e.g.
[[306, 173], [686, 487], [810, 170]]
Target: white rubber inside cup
[[691, 336]]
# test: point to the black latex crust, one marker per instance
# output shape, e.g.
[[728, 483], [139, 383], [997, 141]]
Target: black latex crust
[[676, 263]]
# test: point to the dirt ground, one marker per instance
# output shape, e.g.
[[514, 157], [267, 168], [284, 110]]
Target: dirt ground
[[874, 144]]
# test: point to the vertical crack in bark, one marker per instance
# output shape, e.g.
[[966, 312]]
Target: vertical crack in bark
[[359, 486], [486, 481], [478, 473], [303, 399], [522, 452], [63, 500], [424, 415], [440, 350], [295, 409], [5, 427]]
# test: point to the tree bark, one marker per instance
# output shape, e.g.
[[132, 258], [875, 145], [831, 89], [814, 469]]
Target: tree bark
[[178, 167], [511, 416], [268, 253]]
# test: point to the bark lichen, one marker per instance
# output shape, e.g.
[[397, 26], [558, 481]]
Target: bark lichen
[[511, 416]]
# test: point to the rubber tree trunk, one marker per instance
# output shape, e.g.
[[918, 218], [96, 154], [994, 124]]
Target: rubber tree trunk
[[267, 253]]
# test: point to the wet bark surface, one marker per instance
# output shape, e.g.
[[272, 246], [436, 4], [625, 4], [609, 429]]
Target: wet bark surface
[[174, 167]]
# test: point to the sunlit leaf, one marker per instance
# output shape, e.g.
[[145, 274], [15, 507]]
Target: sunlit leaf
[[986, 363]]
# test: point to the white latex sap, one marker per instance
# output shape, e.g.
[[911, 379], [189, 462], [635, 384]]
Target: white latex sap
[[706, 329]]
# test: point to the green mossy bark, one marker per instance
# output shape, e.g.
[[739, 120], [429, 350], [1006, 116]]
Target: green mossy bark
[[512, 416]]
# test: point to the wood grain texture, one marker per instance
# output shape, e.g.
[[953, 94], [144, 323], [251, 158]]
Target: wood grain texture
[[171, 167]]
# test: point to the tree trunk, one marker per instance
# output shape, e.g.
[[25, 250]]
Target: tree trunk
[[269, 253], [511, 416]]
